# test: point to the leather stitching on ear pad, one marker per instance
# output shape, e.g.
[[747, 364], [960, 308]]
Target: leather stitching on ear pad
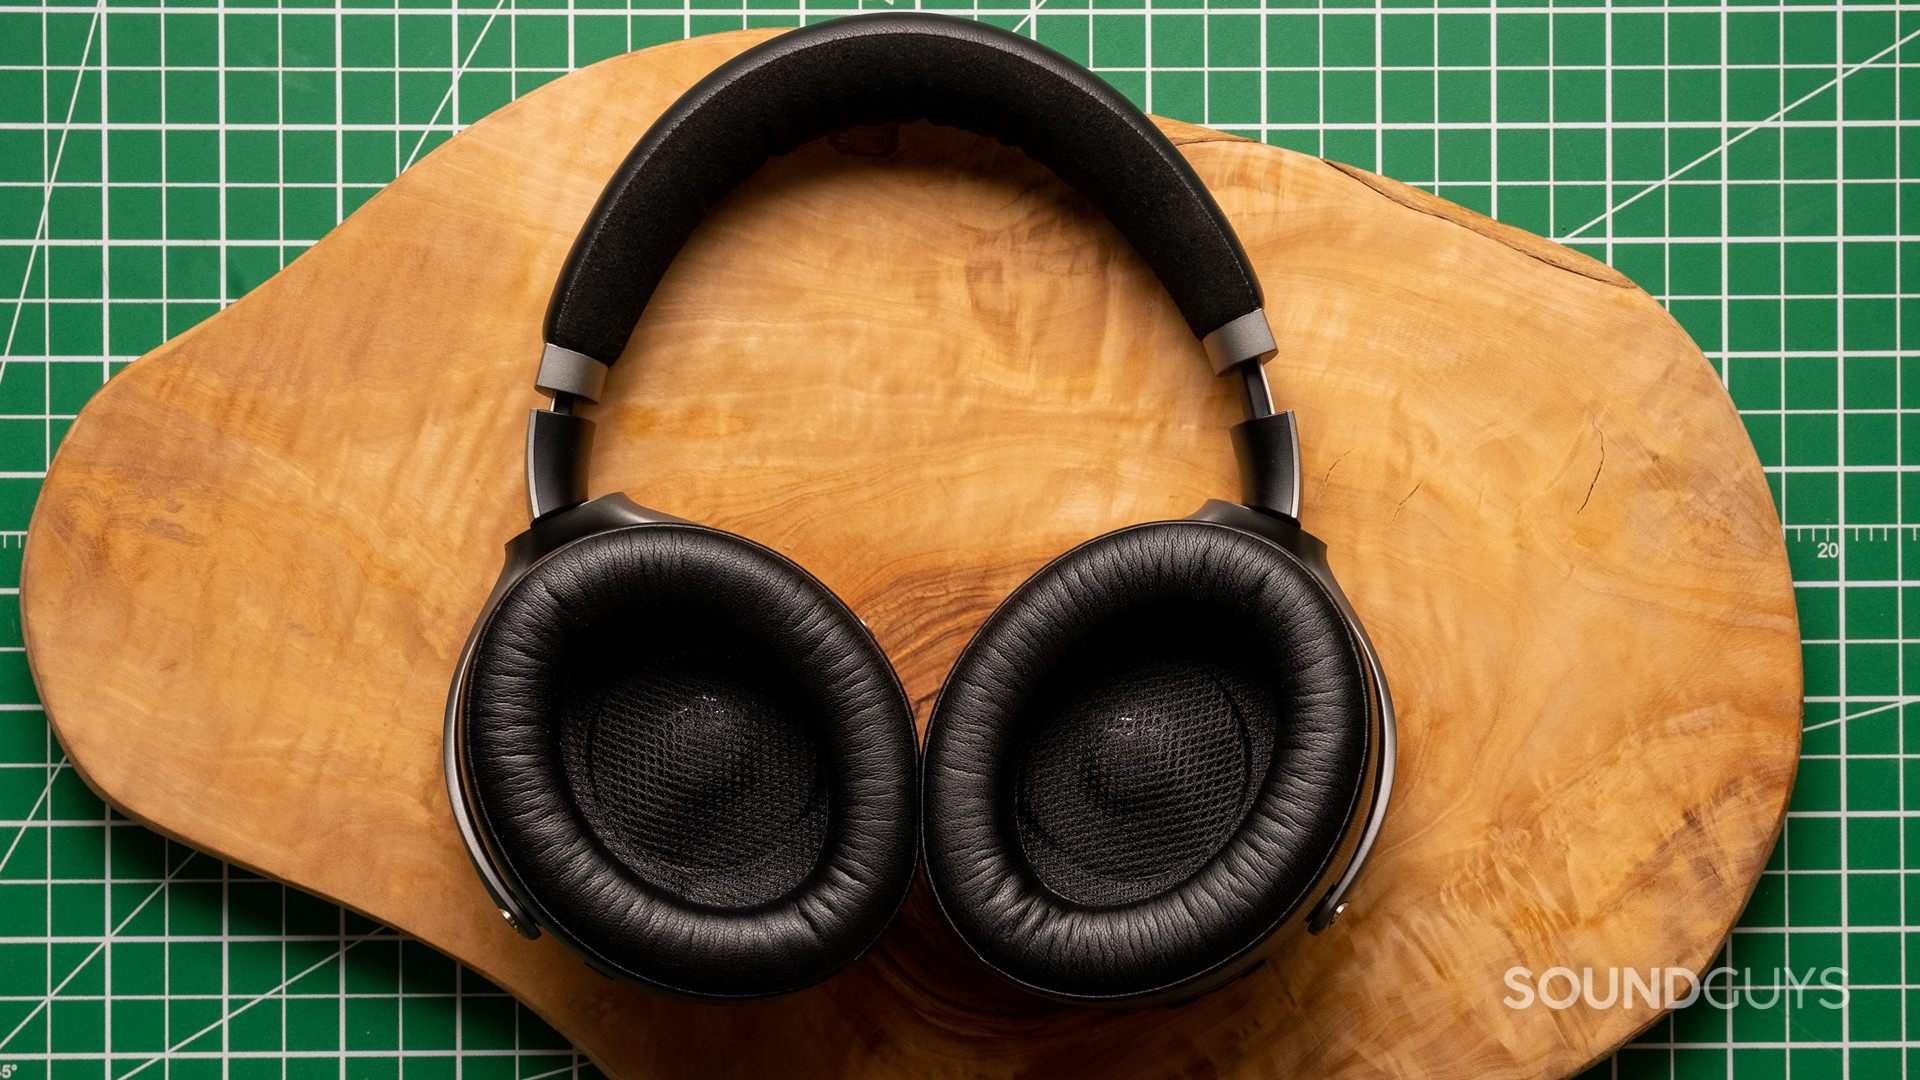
[[1143, 761], [694, 760]]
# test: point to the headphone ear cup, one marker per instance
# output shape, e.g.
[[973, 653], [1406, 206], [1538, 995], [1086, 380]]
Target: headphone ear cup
[[692, 762], [1143, 763]]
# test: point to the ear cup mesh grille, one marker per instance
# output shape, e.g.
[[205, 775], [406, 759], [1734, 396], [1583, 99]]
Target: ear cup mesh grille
[[1144, 752], [1143, 763], [691, 760], [695, 771]]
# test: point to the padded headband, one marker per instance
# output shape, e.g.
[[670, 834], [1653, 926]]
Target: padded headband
[[882, 68]]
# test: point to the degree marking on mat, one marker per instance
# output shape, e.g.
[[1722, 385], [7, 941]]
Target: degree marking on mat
[[280, 989], [452, 85], [1894, 704], [88, 959], [46, 196], [1682, 170], [53, 773], [1026, 23]]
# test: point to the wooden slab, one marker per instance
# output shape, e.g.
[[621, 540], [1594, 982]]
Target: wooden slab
[[921, 370]]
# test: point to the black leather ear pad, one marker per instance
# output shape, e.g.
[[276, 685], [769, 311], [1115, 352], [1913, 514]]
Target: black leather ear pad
[[693, 761], [1142, 763]]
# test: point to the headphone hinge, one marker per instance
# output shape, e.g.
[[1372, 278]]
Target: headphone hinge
[[1247, 339], [1268, 449], [558, 444], [564, 371]]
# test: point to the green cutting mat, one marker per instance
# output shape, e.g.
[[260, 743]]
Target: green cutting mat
[[1743, 163]]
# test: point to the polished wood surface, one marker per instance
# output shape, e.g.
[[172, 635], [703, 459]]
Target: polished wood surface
[[918, 364]]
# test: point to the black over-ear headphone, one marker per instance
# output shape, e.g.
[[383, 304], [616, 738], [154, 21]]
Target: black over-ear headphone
[[681, 754]]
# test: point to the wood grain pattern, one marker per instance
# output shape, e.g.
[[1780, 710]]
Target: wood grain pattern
[[921, 366]]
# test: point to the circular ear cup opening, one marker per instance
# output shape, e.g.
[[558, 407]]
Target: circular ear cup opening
[[1143, 763], [1142, 753], [691, 764]]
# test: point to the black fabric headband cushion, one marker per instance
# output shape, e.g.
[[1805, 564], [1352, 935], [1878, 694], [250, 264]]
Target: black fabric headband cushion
[[879, 68], [1084, 684], [693, 761]]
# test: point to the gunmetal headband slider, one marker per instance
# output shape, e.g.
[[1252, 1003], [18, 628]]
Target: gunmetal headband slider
[[563, 371], [1245, 338]]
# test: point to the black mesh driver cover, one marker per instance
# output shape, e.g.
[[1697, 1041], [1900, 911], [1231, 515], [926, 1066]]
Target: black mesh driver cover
[[1143, 762], [1141, 756], [693, 762], [692, 767]]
